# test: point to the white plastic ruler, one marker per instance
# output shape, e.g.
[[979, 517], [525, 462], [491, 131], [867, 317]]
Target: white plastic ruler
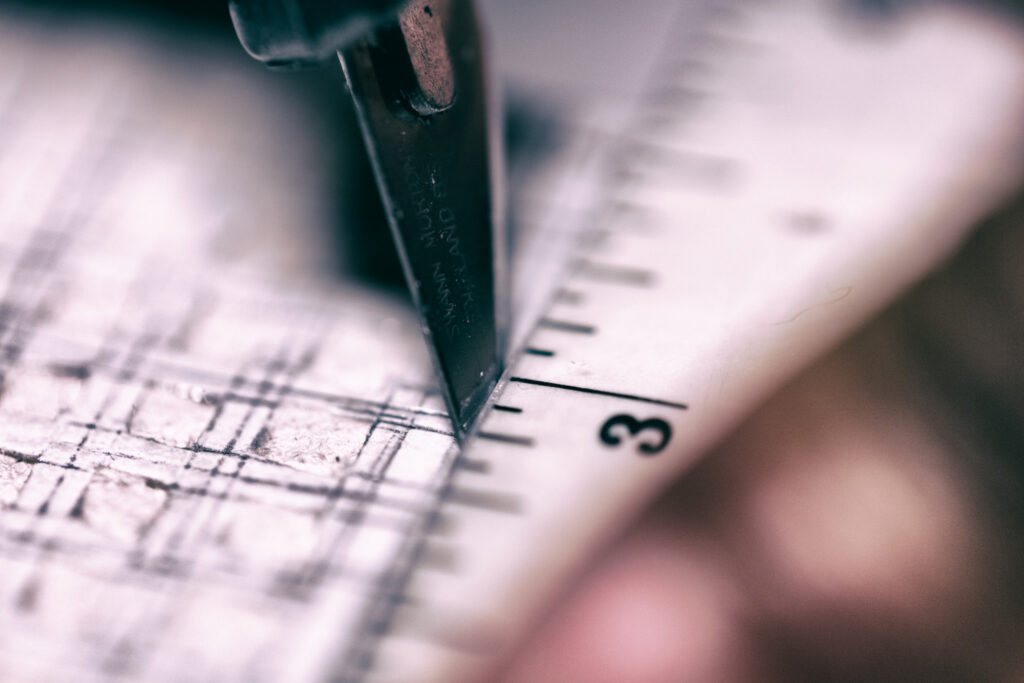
[[790, 170], [219, 463]]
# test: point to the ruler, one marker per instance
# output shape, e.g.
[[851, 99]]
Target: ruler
[[790, 169]]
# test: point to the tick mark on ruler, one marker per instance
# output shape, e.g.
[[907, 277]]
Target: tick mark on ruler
[[474, 466], [510, 439], [600, 392], [493, 501], [569, 296], [540, 352], [604, 272], [440, 558], [508, 409], [563, 326]]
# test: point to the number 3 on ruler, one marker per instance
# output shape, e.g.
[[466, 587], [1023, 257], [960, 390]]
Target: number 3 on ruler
[[635, 427]]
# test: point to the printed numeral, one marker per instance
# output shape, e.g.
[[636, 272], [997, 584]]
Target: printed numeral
[[612, 429]]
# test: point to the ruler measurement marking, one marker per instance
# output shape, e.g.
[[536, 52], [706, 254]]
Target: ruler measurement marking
[[508, 409], [492, 501], [473, 465], [540, 352], [439, 558], [511, 439], [614, 274], [565, 326], [600, 392], [568, 297]]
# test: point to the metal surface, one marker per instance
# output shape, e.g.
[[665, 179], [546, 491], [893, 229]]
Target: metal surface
[[295, 33], [431, 86], [436, 174]]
